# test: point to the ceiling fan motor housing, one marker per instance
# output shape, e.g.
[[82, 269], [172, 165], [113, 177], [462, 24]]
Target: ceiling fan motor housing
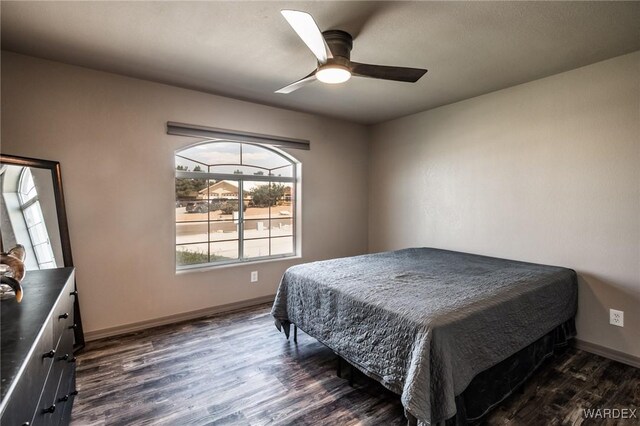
[[340, 42]]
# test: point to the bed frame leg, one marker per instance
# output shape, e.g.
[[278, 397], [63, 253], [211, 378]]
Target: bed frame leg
[[339, 370], [351, 371], [295, 333]]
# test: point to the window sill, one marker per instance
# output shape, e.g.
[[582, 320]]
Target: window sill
[[210, 267]]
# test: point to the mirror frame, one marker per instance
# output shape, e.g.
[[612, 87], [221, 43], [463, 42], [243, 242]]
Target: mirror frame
[[65, 241]]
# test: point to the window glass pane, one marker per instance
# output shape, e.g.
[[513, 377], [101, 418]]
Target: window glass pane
[[214, 153], [224, 250], [32, 215], [256, 228], [282, 211], [265, 194], [194, 210], [223, 199], [221, 190], [27, 189], [47, 265], [227, 230], [43, 253], [285, 201], [31, 194], [185, 165], [192, 254], [255, 212], [282, 245], [38, 234], [189, 195], [258, 209], [253, 155], [281, 227], [282, 171], [256, 248], [191, 232]]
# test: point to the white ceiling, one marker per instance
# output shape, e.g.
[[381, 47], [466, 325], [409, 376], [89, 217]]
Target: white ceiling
[[246, 50]]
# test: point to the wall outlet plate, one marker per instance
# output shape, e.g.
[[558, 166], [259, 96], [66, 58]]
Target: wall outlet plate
[[254, 276], [616, 317]]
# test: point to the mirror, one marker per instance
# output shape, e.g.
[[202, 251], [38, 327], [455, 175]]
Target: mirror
[[29, 216], [32, 213]]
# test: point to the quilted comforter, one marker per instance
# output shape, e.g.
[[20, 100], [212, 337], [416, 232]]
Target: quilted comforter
[[423, 321]]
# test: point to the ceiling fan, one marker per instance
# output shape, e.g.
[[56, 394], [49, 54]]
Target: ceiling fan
[[333, 51]]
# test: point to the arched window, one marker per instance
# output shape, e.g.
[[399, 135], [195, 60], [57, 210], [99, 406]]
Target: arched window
[[32, 212], [213, 180]]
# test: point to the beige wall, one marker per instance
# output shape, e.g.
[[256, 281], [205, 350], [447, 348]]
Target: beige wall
[[108, 132], [548, 172]]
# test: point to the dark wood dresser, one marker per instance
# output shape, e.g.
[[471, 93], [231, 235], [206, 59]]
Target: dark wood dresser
[[37, 363]]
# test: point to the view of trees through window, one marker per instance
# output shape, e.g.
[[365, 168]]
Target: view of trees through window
[[213, 181]]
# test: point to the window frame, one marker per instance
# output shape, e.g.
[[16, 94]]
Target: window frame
[[241, 178]]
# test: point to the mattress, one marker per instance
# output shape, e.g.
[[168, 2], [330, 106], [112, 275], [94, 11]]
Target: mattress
[[423, 321]]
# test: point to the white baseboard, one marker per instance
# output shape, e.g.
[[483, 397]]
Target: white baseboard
[[184, 316], [608, 353]]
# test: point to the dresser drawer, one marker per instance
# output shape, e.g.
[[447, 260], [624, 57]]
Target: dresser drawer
[[66, 394], [49, 409], [20, 411], [64, 351], [63, 312]]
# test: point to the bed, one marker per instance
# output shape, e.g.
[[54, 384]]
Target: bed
[[432, 325]]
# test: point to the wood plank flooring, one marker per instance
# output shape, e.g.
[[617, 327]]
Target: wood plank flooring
[[236, 369]]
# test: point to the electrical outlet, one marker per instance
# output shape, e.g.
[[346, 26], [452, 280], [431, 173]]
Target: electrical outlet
[[254, 276], [616, 317]]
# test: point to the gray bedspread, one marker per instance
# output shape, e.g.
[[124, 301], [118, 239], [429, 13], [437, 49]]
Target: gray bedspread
[[423, 321]]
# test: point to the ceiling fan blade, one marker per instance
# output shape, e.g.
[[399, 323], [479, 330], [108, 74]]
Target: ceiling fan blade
[[298, 84], [307, 29], [384, 72]]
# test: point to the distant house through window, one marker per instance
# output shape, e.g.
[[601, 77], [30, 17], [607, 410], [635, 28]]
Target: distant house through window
[[235, 202]]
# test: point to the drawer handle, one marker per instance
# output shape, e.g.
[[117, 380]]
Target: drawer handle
[[64, 398], [73, 293], [64, 316], [74, 359], [26, 424], [74, 393], [63, 357], [73, 327], [51, 409], [49, 354]]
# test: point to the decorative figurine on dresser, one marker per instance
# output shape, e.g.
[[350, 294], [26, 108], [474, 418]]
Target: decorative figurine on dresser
[[40, 327], [12, 272]]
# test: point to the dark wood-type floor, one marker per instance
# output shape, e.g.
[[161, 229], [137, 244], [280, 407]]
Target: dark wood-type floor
[[236, 369]]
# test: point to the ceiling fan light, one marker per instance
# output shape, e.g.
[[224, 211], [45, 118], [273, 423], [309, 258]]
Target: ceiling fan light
[[333, 74]]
